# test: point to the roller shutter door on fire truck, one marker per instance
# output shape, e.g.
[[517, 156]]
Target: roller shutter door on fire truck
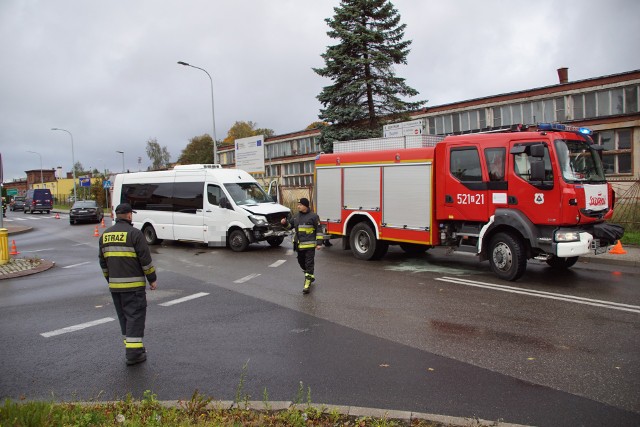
[[329, 197], [407, 196]]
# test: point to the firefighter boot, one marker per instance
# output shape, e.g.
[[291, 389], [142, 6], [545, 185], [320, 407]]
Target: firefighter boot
[[307, 284]]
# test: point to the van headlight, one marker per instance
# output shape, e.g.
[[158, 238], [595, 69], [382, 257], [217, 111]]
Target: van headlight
[[258, 220], [567, 236]]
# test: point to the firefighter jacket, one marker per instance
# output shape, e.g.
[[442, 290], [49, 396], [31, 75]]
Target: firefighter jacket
[[125, 258], [308, 232]]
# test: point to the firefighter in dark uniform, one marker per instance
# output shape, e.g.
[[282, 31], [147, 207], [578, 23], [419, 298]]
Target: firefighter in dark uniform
[[126, 263], [307, 238]]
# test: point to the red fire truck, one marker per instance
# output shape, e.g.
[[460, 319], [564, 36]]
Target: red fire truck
[[507, 197]]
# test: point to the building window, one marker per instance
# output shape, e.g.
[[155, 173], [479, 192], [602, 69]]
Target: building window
[[616, 157], [631, 99]]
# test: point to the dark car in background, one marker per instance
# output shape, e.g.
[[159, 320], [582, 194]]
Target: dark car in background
[[17, 204], [38, 199], [85, 210]]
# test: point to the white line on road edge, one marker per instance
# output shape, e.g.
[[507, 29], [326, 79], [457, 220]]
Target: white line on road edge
[[77, 327], [41, 250], [76, 265], [278, 263], [179, 300], [542, 294], [247, 278]]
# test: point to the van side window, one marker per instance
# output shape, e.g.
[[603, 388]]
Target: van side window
[[465, 164], [214, 194], [494, 158], [187, 197]]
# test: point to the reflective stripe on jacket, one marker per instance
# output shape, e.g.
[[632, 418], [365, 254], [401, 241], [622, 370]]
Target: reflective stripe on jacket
[[125, 258], [308, 232]]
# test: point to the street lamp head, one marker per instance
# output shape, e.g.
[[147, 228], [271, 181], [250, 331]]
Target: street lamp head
[[118, 151], [55, 129], [183, 63]]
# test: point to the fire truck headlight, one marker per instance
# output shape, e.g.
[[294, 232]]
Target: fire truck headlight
[[567, 236], [258, 220]]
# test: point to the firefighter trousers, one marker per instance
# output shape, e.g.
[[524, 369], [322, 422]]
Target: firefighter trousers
[[131, 308], [306, 260]]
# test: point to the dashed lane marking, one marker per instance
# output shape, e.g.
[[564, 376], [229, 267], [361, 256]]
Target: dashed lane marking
[[77, 327], [278, 263], [183, 299], [247, 278], [542, 294], [76, 265]]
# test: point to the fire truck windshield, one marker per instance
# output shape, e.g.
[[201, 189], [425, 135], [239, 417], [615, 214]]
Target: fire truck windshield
[[579, 162]]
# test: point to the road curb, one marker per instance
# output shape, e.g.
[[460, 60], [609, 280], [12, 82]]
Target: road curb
[[42, 266]]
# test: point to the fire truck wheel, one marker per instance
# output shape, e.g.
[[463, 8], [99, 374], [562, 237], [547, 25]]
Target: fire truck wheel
[[507, 257], [238, 241], [150, 235], [364, 244], [562, 263]]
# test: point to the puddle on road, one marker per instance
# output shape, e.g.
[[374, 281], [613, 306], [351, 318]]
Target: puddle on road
[[421, 266]]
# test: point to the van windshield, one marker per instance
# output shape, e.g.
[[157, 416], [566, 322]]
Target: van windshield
[[579, 162], [247, 193]]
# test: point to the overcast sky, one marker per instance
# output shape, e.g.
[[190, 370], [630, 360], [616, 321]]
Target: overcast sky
[[106, 70]]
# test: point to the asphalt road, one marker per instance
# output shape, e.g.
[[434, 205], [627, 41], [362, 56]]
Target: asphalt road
[[435, 333]]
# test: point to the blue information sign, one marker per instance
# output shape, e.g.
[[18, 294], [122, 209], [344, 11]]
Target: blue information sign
[[85, 182]]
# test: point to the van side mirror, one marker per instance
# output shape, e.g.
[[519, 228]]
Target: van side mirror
[[224, 203]]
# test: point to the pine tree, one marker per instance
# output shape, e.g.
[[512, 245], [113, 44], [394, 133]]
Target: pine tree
[[365, 86]]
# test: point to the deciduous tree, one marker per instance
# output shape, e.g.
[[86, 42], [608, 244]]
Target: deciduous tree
[[159, 156], [199, 150]]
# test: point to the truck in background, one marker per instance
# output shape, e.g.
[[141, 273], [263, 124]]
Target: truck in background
[[201, 203], [505, 196]]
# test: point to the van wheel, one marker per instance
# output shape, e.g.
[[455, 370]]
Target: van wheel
[[365, 245], [507, 257], [150, 235], [275, 241], [238, 241], [560, 263]]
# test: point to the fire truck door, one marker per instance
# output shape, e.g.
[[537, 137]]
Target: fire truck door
[[465, 195]]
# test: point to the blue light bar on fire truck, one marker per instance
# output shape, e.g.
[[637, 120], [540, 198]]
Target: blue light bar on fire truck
[[561, 127]]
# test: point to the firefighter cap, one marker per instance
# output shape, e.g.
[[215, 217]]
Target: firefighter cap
[[124, 208], [304, 201]]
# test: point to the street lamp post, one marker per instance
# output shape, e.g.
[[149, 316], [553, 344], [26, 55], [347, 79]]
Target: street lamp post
[[41, 178], [73, 165], [121, 152], [213, 114]]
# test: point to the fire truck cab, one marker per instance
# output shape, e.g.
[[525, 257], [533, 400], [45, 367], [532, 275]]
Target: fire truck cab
[[506, 197]]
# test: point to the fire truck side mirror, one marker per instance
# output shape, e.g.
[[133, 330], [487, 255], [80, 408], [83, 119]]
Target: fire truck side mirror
[[537, 169], [537, 150]]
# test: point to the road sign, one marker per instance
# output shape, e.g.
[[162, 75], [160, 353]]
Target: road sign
[[85, 182], [12, 192], [106, 184]]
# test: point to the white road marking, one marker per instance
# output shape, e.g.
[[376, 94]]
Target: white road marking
[[183, 299], [41, 250], [77, 327], [247, 278], [542, 294], [76, 265], [278, 263]]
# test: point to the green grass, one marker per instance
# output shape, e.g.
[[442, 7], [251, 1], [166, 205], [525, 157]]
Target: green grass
[[631, 238], [196, 412]]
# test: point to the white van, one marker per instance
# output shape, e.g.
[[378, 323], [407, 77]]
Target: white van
[[201, 203]]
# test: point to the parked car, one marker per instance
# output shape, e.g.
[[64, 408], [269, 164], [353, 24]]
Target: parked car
[[38, 199], [85, 210], [17, 204]]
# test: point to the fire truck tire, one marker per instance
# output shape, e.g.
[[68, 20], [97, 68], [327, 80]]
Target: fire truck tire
[[150, 235], [238, 241], [507, 257], [365, 245], [275, 241], [560, 263]]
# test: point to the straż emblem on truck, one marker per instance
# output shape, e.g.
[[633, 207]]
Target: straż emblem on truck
[[538, 198]]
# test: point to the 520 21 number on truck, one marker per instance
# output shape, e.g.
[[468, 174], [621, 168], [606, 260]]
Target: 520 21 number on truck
[[505, 196]]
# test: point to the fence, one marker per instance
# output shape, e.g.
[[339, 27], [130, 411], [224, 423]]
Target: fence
[[627, 209]]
